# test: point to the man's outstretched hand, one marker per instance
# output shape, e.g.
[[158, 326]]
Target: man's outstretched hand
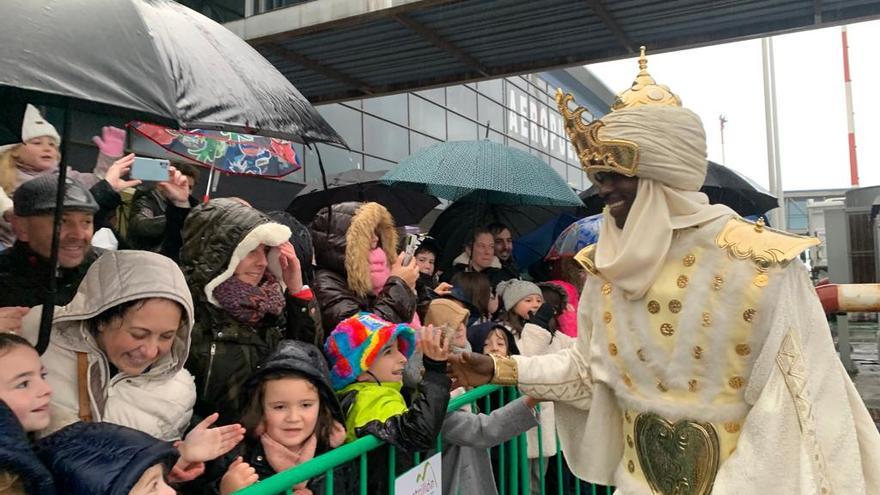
[[470, 369]]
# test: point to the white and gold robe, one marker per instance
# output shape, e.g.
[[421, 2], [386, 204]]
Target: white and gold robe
[[731, 336]]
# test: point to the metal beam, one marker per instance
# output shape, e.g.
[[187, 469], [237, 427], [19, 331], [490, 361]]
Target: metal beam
[[817, 12], [315, 66], [612, 25], [440, 42]]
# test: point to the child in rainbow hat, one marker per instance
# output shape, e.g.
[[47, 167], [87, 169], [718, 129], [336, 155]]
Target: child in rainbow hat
[[367, 356]]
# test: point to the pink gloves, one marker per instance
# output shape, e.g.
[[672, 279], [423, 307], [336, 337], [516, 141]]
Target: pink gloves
[[111, 142]]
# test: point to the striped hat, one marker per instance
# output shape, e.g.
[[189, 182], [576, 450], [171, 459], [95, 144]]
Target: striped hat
[[356, 341]]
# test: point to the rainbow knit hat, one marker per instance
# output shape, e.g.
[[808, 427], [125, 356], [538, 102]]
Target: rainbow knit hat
[[356, 341]]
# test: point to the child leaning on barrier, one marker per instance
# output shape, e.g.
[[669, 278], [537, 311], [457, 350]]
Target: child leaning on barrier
[[467, 466], [367, 356]]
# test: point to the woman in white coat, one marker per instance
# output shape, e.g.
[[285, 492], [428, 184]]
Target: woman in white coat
[[116, 352]]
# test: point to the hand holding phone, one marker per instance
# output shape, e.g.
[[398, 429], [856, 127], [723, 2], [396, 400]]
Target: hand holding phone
[[150, 169]]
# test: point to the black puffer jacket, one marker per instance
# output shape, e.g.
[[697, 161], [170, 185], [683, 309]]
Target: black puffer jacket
[[102, 458], [20, 469], [342, 280], [224, 352]]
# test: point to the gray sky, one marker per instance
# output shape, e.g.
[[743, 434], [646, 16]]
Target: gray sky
[[728, 79]]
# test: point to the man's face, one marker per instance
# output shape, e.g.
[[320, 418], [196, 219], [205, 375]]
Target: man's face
[[503, 245], [76, 236], [618, 192], [482, 252]]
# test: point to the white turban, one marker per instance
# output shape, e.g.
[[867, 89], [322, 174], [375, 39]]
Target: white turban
[[671, 169]]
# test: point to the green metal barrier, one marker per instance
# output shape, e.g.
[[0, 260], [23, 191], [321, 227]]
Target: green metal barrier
[[512, 467]]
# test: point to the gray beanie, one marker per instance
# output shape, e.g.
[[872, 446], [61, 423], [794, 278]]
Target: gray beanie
[[515, 290], [37, 197]]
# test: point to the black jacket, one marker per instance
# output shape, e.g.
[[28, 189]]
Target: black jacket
[[17, 457], [146, 219], [339, 255], [24, 277], [225, 352], [414, 431], [102, 458]]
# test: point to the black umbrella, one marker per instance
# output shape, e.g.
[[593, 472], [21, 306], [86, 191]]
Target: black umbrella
[[151, 60], [455, 224], [723, 185], [408, 207]]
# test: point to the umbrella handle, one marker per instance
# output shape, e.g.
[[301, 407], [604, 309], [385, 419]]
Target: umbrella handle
[[210, 184]]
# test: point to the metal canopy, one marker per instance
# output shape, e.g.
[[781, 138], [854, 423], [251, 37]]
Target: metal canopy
[[406, 44]]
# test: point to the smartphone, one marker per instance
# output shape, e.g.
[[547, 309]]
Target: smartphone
[[149, 169], [412, 243]]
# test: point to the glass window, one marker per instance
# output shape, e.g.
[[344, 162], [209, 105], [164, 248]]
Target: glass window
[[463, 100], [335, 160], [419, 142], [491, 112], [375, 164], [437, 95], [347, 123], [427, 117], [387, 141], [461, 129], [392, 107], [493, 89]]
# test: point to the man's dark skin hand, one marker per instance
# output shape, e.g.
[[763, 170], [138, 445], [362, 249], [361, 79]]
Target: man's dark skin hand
[[470, 369]]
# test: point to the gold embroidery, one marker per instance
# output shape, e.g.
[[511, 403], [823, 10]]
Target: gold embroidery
[[612, 348], [743, 349], [736, 382], [717, 282], [506, 371], [606, 288], [627, 380], [653, 307], [629, 441], [749, 315], [661, 387], [698, 352], [682, 281], [732, 427], [607, 317], [761, 280], [631, 466], [707, 320], [667, 330], [627, 416], [674, 306], [689, 260], [641, 354], [692, 385], [746, 240]]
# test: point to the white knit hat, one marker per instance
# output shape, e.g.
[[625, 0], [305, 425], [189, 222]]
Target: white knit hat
[[514, 290], [34, 125]]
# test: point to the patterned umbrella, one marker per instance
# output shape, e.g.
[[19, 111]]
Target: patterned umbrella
[[485, 171], [225, 151], [577, 236]]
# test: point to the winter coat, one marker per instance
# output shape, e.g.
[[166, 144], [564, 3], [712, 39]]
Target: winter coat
[[467, 467], [146, 219], [536, 341], [463, 264], [101, 458], [158, 401], [225, 352], [24, 277], [342, 280], [21, 472], [379, 409]]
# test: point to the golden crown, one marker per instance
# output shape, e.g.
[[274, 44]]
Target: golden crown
[[613, 155]]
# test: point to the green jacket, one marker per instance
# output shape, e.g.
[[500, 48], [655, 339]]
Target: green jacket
[[374, 402]]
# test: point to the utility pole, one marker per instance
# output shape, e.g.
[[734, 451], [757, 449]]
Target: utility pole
[[850, 121], [773, 162], [722, 120]]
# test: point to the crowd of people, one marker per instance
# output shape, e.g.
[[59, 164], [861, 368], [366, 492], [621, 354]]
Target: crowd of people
[[218, 344]]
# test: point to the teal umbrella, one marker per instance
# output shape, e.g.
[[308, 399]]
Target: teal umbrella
[[486, 172]]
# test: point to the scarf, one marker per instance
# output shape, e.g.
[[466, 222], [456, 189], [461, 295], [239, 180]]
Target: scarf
[[248, 304], [281, 458]]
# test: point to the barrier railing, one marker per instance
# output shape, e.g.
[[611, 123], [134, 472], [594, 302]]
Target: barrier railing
[[510, 459]]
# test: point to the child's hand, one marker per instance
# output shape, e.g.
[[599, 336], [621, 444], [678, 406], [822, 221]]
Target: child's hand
[[408, 273], [443, 289], [531, 402], [239, 475], [176, 189], [10, 318], [432, 344], [111, 142], [204, 443]]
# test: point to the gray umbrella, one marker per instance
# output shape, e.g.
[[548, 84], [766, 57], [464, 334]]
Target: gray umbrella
[[153, 60]]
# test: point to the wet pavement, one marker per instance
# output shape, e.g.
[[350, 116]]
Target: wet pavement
[[863, 337]]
